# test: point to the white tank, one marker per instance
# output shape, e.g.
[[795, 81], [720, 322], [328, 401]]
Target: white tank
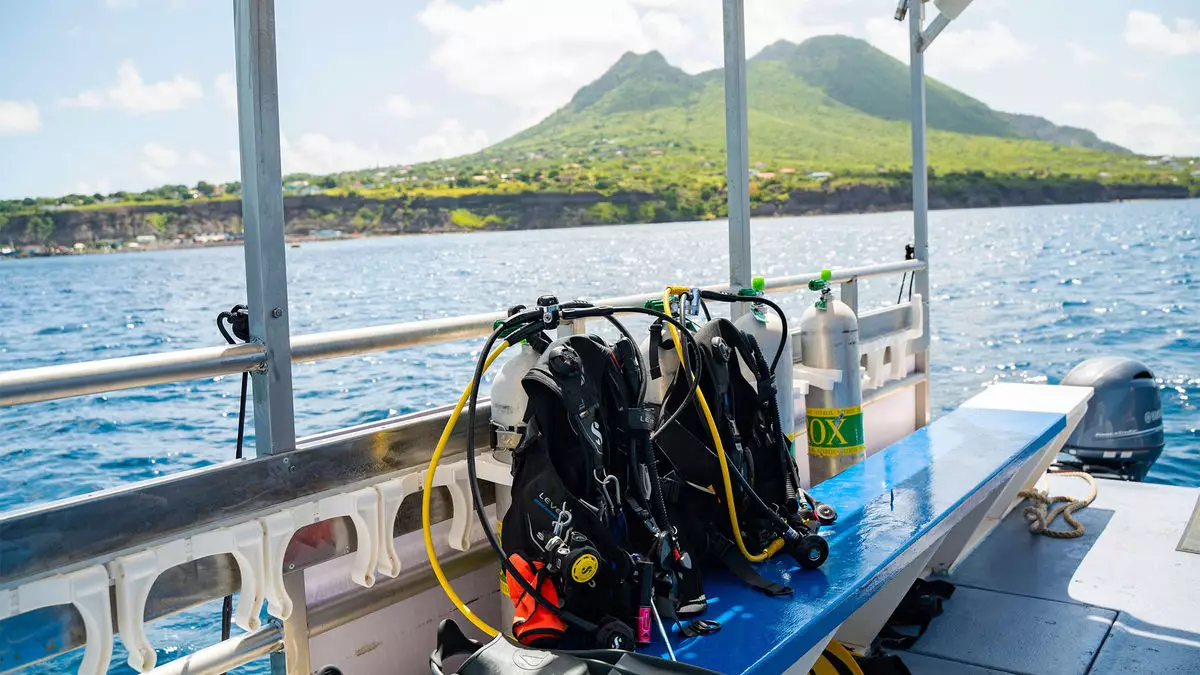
[[509, 399], [829, 341], [765, 326]]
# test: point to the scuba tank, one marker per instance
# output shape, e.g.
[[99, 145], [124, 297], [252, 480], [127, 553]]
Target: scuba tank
[[829, 341], [509, 399], [767, 329]]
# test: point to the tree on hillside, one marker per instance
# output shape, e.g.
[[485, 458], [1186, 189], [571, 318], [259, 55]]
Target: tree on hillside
[[206, 189], [327, 183]]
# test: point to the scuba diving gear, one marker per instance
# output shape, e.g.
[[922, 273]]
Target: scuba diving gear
[[747, 444], [557, 368], [829, 341], [770, 330], [501, 657]]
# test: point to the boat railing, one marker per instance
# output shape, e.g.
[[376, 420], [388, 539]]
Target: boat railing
[[32, 385]]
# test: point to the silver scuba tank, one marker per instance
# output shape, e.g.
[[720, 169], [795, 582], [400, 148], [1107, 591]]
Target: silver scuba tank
[[765, 326], [834, 421]]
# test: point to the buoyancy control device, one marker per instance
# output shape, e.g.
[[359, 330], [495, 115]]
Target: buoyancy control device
[[731, 469], [585, 546]]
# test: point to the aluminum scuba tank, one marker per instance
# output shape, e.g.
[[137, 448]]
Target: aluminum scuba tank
[[766, 327], [829, 341], [509, 399]]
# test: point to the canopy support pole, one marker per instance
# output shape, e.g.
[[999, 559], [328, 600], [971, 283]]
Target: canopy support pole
[[737, 146], [920, 185]]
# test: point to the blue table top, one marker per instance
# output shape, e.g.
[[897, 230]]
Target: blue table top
[[891, 507]]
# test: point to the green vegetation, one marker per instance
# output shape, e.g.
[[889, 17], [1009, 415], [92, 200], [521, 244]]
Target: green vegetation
[[648, 141], [469, 220]]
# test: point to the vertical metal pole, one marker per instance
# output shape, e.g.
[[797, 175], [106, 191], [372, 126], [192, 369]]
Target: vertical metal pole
[[920, 196], [262, 220], [294, 659], [737, 146], [849, 294]]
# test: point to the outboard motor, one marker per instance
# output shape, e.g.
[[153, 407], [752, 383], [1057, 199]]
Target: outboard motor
[[1121, 435]]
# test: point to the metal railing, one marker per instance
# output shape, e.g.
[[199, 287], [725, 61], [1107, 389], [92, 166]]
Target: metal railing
[[93, 377]]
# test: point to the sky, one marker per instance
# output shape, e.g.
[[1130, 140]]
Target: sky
[[105, 95]]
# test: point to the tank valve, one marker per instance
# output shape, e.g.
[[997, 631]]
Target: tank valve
[[824, 287]]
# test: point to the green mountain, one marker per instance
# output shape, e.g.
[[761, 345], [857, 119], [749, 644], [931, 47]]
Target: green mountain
[[832, 102]]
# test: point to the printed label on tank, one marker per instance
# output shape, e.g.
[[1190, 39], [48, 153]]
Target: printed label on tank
[[834, 432]]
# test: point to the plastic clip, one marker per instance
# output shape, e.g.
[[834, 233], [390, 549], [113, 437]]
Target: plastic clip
[[135, 575], [361, 506], [87, 590]]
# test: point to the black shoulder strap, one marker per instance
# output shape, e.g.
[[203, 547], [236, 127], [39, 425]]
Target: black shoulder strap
[[732, 559]]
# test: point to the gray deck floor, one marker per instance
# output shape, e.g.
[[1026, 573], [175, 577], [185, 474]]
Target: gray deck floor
[[1120, 599]]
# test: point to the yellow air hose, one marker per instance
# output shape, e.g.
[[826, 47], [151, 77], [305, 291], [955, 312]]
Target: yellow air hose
[[425, 499], [774, 546]]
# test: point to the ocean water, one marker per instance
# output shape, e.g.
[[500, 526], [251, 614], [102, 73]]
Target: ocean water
[[1018, 294]]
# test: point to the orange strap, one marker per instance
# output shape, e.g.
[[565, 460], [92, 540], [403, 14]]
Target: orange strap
[[533, 624]]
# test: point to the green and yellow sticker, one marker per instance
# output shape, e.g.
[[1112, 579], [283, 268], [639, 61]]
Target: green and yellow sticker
[[835, 432]]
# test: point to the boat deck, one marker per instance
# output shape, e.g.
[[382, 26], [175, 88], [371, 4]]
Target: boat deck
[[1120, 599]]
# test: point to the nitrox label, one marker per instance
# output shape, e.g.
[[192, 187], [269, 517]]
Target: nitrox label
[[833, 432]]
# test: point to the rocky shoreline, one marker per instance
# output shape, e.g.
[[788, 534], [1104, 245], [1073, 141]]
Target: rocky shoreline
[[323, 216]]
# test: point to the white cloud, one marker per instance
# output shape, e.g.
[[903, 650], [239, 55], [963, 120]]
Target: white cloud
[[19, 117], [85, 99], [318, 153], [157, 160], [1145, 127], [133, 94], [1084, 56], [226, 87], [84, 187], [1148, 31], [451, 139], [199, 159], [963, 50], [402, 107]]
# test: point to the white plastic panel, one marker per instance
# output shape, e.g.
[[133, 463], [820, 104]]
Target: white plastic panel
[[87, 590], [135, 575]]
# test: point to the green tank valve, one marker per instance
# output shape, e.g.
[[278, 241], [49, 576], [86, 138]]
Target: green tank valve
[[654, 304], [824, 287], [759, 284]]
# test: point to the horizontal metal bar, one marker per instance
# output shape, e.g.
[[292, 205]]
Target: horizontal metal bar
[[354, 341], [228, 654], [92, 377], [795, 282], [97, 527]]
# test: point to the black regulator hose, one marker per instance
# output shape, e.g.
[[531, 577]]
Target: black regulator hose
[[729, 297], [532, 320]]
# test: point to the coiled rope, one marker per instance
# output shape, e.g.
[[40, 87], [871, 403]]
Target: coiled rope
[[1040, 516]]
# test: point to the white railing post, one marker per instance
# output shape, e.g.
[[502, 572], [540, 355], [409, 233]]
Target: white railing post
[[262, 219], [737, 147]]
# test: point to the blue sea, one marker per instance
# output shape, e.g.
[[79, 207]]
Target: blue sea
[[1019, 295]]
